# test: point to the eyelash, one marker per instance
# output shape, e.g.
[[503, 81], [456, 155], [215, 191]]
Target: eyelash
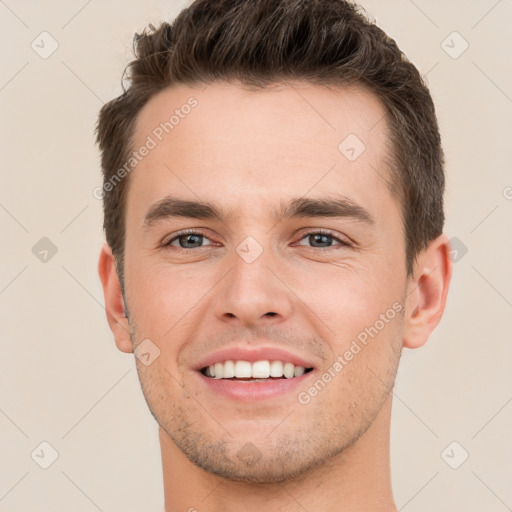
[[342, 243]]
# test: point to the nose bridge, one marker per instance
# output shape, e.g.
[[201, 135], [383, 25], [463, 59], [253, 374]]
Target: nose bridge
[[252, 292]]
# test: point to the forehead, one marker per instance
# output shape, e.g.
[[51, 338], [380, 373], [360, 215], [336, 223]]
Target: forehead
[[326, 113], [226, 141]]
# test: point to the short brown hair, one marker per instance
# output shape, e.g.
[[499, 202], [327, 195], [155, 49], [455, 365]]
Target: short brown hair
[[260, 42]]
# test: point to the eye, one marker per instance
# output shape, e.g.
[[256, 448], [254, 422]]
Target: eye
[[323, 239], [187, 240], [195, 239]]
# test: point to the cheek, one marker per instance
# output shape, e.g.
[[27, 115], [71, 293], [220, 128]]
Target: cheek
[[361, 307], [347, 296], [167, 302]]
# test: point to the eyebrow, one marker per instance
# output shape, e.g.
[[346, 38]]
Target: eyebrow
[[341, 206]]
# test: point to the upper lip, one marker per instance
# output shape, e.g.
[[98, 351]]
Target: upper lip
[[261, 353]]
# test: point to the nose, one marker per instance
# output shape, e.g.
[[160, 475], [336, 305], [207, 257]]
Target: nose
[[254, 293]]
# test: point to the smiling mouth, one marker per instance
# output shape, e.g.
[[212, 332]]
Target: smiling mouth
[[258, 371]]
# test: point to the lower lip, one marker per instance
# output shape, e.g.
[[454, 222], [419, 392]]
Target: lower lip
[[244, 390]]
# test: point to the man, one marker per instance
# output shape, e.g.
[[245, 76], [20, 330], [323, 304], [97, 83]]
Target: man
[[273, 199]]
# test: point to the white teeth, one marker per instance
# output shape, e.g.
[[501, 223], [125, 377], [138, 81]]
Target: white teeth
[[219, 370], [261, 370], [243, 370], [258, 371], [288, 370], [229, 369], [276, 369], [299, 370]]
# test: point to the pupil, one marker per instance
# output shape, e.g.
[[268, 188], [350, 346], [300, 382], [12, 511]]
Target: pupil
[[322, 239], [189, 239]]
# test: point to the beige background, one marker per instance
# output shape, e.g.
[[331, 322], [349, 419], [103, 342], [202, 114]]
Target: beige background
[[63, 381]]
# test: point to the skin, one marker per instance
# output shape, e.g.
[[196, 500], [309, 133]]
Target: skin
[[247, 151]]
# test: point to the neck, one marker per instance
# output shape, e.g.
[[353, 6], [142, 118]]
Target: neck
[[356, 480]]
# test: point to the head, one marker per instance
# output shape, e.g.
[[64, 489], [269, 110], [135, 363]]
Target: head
[[306, 135]]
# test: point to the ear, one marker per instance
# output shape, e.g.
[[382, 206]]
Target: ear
[[427, 291], [114, 303]]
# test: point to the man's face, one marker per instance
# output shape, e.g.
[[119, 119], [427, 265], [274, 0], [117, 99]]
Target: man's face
[[313, 285]]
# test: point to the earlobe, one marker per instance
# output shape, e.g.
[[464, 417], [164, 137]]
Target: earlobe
[[427, 291], [114, 303]]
